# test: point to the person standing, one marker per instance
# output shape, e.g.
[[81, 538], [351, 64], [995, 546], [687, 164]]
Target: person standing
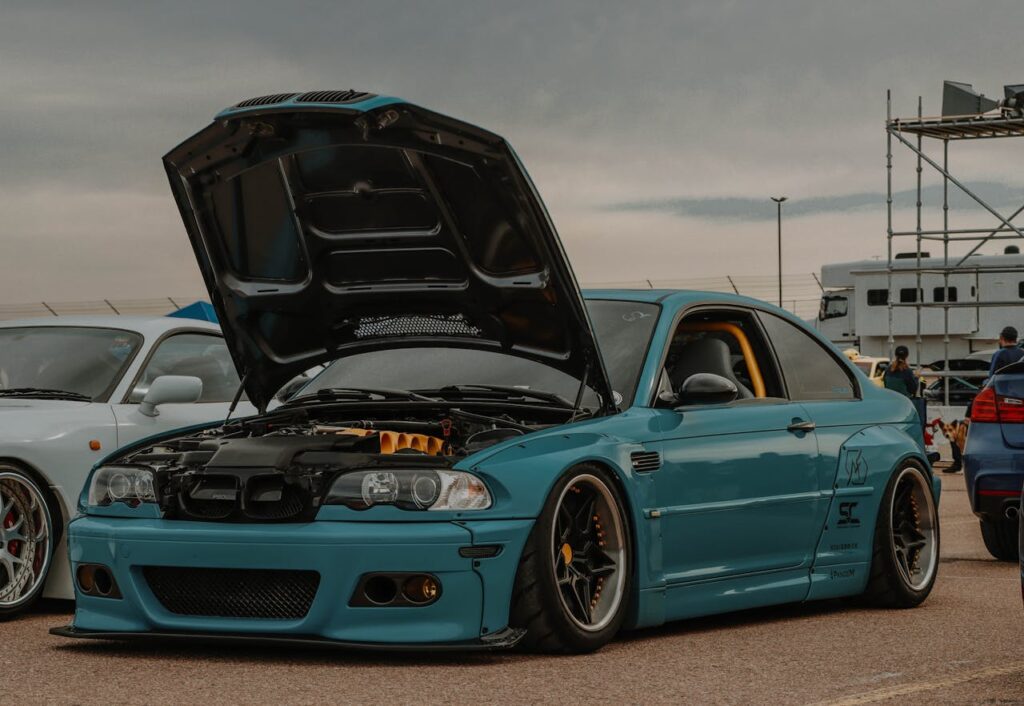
[[898, 376], [1008, 351]]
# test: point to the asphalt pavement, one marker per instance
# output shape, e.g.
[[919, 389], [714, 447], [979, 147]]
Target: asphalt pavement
[[964, 645]]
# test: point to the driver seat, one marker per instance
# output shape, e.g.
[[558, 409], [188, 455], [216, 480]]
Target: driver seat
[[706, 355]]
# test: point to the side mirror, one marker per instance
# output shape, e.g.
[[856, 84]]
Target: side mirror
[[707, 388], [170, 389]]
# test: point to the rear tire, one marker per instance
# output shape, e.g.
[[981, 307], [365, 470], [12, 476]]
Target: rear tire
[[905, 559], [1001, 539], [574, 579]]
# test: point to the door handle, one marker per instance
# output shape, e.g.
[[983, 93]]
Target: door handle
[[800, 426]]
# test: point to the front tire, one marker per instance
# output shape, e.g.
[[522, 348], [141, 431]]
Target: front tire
[[1001, 539], [575, 575], [906, 545], [26, 540]]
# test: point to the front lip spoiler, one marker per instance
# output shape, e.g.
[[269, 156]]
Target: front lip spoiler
[[501, 640]]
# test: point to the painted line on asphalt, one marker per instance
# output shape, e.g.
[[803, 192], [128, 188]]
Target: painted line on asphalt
[[892, 692]]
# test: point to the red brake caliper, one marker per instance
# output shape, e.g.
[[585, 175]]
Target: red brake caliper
[[13, 545]]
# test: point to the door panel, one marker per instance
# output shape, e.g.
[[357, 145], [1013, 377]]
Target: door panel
[[738, 492]]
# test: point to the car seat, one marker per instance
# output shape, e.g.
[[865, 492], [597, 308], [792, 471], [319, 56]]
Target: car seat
[[706, 355]]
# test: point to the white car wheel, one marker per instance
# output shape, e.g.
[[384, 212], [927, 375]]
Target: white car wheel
[[26, 540]]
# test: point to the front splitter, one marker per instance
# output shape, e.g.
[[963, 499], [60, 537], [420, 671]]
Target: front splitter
[[501, 640]]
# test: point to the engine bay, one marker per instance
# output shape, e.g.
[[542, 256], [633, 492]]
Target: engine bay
[[282, 467]]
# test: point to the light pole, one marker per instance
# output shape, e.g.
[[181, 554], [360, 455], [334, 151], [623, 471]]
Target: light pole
[[778, 202]]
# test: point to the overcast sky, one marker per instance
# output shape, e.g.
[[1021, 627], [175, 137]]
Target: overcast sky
[[655, 131]]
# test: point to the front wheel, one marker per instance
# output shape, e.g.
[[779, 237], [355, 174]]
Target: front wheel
[[26, 541], [906, 545], [575, 575], [1001, 539]]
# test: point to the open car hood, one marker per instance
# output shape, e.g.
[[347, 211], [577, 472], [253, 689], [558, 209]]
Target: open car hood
[[336, 222]]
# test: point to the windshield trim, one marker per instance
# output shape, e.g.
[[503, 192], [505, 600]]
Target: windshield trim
[[108, 392]]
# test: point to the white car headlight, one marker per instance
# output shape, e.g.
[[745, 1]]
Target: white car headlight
[[410, 489], [121, 484]]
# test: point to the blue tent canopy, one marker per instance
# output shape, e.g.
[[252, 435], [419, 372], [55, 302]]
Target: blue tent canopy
[[196, 310]]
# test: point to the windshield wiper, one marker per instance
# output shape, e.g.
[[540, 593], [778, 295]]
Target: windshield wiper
[[44, 393], [367, 394], [505, 392]]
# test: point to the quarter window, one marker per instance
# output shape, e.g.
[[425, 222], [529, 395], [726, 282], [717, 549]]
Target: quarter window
[[200, 355], [811, 372]]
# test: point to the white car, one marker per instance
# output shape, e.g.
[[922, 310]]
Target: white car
[[73, 389]]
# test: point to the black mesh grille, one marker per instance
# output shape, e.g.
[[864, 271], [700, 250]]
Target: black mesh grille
[[333, 97], [265, 100], [267, 594], [385, 326]]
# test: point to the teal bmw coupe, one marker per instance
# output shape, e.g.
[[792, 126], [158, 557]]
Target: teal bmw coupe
[[492, 457]]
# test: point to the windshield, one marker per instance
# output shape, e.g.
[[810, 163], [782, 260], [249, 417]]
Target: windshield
[[832, 306], [85, 361], [623, 332]]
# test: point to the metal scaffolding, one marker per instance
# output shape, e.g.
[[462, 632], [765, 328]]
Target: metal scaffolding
[[945, 129]]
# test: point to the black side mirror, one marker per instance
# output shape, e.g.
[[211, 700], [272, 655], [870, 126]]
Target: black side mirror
[[707, 388]]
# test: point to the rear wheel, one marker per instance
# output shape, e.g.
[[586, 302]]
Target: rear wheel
[[26, 540], [906, 546], [574, 577], [1001, 539]]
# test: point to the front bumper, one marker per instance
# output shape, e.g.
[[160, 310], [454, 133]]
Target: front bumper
[[473, 605]]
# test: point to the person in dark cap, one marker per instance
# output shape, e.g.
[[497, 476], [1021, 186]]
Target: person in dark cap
[[1008, 351], [898, 376]]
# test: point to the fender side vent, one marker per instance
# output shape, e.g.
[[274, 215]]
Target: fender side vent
[[644, 461], [333, 97], [264, 100]]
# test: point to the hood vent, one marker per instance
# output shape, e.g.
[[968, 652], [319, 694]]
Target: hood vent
[[265, 100], [334, 97], [645, 461]]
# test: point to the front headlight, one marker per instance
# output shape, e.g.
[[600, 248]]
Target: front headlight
[[121, 484], [426, 489]]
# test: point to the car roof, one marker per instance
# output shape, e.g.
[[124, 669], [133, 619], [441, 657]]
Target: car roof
[[146, 325], [676, 297]]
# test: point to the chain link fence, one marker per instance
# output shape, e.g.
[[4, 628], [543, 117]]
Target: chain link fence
[[801, 294]]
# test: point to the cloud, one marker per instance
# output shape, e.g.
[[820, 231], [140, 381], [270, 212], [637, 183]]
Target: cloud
[[737, 208], [632, 104]]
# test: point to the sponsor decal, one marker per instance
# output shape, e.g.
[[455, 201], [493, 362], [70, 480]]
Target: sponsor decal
[[846, 518], [841, 573], [844, 547], [856, 467]]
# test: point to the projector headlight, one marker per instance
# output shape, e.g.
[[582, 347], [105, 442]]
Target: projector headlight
[[121, 484], [426, 489]]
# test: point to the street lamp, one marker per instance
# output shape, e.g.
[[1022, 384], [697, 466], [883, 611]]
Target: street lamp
[[778, 202]]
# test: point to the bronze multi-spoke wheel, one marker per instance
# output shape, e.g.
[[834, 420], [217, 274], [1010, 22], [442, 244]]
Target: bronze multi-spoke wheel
[[26, 540], [906, 551], [575, 571]]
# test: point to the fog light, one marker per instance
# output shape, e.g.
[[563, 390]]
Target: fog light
[[380, 590], [86, 576], [421, 589]]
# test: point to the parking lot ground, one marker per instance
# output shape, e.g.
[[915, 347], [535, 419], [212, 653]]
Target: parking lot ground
[[963, 646]]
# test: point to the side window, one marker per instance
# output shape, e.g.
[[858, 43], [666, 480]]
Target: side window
[[811, 372], [909, 295], [727, 343], [197, 354], [878, 297]]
